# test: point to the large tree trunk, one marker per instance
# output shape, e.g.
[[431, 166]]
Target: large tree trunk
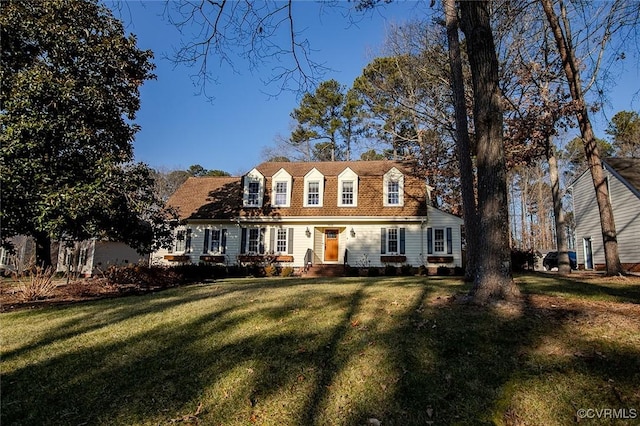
[[463, 144], [493, 278], [43, 250], [561, 236], [570, 65]]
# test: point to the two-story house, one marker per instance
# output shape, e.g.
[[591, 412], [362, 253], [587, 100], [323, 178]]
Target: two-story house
[[360, 213], [623, 182]]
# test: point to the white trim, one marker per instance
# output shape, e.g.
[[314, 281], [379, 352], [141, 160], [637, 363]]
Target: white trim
[[393, 175], [281, 176], [254, 176], [313, 176], [348, 175]]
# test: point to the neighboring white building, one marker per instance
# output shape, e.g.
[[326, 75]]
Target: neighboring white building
[[358, 213], [623, 181], [92, 257]]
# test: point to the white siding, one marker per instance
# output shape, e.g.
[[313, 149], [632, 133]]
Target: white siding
[[363, 246]]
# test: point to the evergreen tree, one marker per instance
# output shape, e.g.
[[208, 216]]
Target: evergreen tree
[[70, 83]]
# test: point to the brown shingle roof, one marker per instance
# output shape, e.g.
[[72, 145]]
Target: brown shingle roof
[[221, 197], [628, 168], [208, 197]]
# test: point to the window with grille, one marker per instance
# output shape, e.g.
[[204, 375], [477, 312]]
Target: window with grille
[[281, 241], [281, 194], [254, 193], [347, 193], [438, 240], [393, 192], [392, 240], [253, 240], [313, 193]]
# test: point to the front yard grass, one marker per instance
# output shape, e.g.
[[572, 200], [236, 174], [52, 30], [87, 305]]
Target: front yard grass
[[327, 352]]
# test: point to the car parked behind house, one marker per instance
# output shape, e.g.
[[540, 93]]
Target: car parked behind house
[[550, 261]]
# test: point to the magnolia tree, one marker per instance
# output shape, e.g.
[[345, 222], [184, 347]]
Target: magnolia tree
[[70, 83]]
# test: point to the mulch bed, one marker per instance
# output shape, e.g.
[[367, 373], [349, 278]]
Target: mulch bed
[[76, 291]]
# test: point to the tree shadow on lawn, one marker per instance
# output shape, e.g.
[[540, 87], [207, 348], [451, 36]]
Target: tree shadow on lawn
[[251, 361], [618, 289], [84, 317]]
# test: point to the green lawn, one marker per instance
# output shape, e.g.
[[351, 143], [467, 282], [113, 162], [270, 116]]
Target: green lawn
[[326, 352]]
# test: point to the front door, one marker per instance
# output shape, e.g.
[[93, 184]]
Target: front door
[[331, 245], [588, 254]]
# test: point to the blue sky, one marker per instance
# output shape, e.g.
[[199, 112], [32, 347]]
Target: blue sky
[[181, 128]]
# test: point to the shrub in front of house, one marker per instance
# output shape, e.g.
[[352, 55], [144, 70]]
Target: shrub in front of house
[[406, 270], [271, 270], [287, 271], [443, 271], [373, 272], [352, 271], [423, 271], [390, 270]]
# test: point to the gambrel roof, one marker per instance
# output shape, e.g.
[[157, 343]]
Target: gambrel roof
[[221, 197]]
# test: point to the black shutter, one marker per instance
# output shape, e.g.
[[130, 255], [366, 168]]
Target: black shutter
[[205, 246], [402, 238], [430, 240], [187, 244], [261, 240], [383, 240], [290, 242], [243, 241], [223, 241], [449, 241]]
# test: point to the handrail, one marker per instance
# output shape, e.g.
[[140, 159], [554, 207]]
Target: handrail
[[308, 259]]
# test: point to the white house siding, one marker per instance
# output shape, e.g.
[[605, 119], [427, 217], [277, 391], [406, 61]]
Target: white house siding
[[109, 253], [626, 213], [91, 257], [363, 245]]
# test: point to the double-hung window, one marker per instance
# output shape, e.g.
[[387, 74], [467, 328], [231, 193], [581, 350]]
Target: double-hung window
[[253, 240], [254, 194], [218, 242], [347, 188], [313, 195], [347, 193], [393, 188], [439, 240], [313, 188], [281, 194], [392, 240], [183, 241], [393, 193], [281, 240]]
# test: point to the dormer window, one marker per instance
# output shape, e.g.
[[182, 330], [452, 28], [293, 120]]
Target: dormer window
[[313, 188], [254, 194], [281, 189], [393, 192], [313, 194], [393, 188], [253, 189], [347, 188]]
